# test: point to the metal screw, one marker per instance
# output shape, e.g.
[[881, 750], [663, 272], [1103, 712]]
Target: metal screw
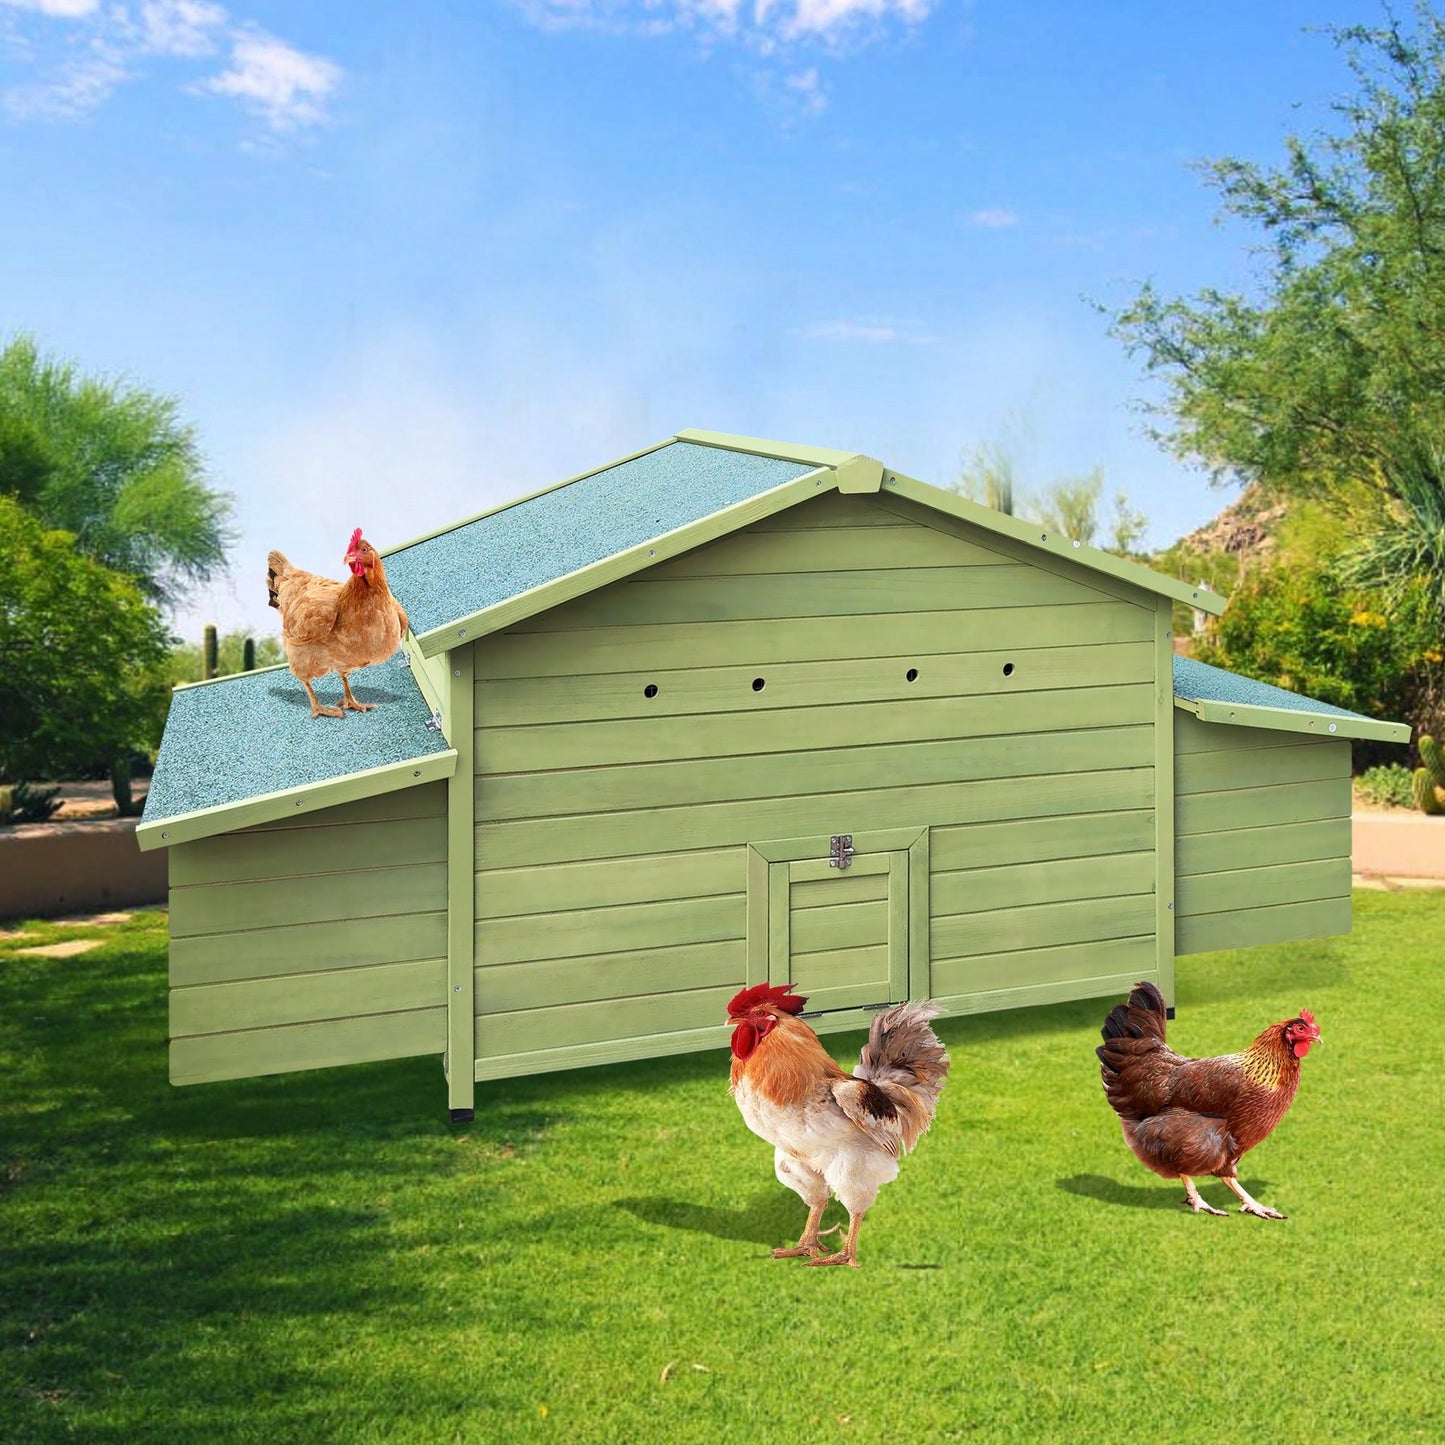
[[456, 672], [457, 989], [165, 835], [299, 801], [1076, 544], [892, 481], [652, 552], [416, 772], [1332, 727], [1044, 537], [462, 633], [1171, 905]]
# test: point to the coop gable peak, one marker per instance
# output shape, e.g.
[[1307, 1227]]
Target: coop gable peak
[[541, 550]]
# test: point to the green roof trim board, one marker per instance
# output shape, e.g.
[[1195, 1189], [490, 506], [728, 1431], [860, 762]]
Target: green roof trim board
[[1214, 695], [245, 749]]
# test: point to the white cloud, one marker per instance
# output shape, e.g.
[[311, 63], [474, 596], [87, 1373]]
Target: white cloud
[[873, 333], [807, 90], [111, 45], [180, 27], [60, 9], [758, 23], [80, 86], [285, 86], [994, 218]]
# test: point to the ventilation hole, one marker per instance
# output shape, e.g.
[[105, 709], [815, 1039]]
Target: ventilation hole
[[759, 684], [911, 674], [650, 690], [1008, 669]]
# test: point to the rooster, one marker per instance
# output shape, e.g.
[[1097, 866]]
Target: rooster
[[336, 627], [833, 1132], [1185, 1117]]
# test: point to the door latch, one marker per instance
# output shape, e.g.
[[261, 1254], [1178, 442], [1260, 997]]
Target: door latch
[[840, 850]]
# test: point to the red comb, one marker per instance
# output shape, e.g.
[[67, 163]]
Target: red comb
[[355, 538], [1306, 1016], [779, 996]]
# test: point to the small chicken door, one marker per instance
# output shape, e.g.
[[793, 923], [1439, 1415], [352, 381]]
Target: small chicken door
[[841, 917]]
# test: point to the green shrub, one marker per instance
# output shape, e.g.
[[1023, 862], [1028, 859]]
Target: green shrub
[[1296, 625], [1390, 785]]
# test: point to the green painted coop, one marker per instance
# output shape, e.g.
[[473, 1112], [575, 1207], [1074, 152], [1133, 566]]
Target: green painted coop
[[723, 711]]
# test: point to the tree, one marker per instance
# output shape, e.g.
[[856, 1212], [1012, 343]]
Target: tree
[[986, 475], [1331, 382], [80, 651], [1069, 505], [112, 465], [184, 662]]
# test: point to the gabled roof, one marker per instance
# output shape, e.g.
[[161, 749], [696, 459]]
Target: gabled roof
[[245, 749], [547, 548], [1214, 695]]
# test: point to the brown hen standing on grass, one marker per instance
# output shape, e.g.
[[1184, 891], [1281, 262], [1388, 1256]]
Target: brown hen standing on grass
[[831, 1131], [335, 627], [1184, 1117]]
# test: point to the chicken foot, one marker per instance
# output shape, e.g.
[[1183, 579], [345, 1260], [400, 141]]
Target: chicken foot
[[348, 700], [318, 709], [849, 1253], [810, 1242], [1248, 1205], [1196, 1201]]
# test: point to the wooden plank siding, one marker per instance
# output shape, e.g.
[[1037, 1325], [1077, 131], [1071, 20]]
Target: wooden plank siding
[[1263, 853], [845, 666], [308, 943]]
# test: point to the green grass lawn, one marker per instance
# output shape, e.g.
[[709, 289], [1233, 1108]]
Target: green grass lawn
[[320, 1258]]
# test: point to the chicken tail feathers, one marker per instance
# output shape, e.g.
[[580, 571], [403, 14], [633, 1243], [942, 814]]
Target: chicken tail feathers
[[276, 568], [1133, 1037], [903, 1051], [1142, 1017]]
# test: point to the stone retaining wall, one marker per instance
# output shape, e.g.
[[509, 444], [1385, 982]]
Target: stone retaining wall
[[48, 868]]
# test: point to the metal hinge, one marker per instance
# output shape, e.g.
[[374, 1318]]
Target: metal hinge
[[404, 660], [434, 723], [840, 850]]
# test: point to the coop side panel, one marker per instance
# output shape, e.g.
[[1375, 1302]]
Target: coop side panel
[[1263, 851], [321, 941], [841, 667]]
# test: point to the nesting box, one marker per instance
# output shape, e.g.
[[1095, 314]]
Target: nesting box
[[723, 711]]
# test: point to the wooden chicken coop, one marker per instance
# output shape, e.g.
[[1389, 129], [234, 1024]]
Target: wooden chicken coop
[[728, 710]]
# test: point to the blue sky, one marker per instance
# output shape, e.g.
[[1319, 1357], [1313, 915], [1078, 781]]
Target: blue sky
[[402, 262]]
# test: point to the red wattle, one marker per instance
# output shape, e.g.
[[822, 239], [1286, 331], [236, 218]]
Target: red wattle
[[744, 1040], [1301, 1048]]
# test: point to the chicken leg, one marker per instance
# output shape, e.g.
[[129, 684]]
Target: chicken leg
[[349, 701], [849, 1253], [809, 1242], [1194, 1199], [1247, 1205], [318, 708]]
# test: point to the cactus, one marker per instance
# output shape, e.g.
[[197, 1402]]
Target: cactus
[[1427, 797], [1430, 779], [248, 655], [208, 652], [20, 803], [1433, 758]]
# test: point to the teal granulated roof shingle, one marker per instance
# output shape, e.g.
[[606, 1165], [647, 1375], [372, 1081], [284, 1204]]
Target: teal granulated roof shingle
[[460, 572], [244, 739], [1217, 695]]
